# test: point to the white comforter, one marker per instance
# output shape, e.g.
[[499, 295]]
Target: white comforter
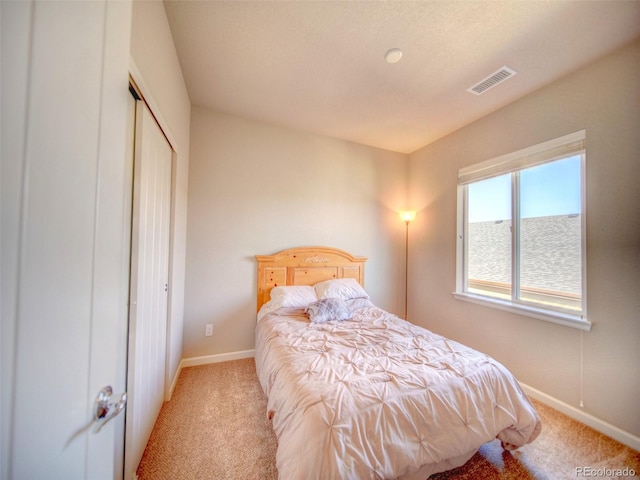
[[378, 397]]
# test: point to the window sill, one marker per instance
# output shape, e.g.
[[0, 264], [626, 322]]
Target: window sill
[[559, 318]]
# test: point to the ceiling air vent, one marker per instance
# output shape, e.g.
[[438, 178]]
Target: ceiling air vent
[[492, 80]]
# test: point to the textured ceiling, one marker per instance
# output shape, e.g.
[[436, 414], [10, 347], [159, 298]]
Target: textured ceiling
[[319, 66]]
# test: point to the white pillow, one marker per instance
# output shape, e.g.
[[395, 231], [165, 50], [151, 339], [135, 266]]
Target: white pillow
[[293, 296], [344, 288], [328, 309]]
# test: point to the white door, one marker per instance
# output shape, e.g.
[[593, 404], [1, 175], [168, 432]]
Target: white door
[[64, 251], [149, 284]]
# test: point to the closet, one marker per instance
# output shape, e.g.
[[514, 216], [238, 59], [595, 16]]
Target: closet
[[149, 282]]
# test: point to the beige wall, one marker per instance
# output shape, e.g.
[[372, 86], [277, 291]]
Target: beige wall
[[156, 69], [604, 99], [258, 189]]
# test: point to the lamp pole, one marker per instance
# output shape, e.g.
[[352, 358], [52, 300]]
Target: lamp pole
[[406, 269], [407, 216]]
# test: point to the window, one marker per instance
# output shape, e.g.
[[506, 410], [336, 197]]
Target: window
[[521, 232]]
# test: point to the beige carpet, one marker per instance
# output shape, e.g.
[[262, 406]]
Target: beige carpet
[[215, 427]]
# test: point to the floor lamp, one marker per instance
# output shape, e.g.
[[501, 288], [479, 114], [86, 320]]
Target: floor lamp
[[408, 216]]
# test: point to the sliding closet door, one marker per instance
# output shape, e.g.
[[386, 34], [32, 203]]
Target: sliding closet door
[[149, 284]]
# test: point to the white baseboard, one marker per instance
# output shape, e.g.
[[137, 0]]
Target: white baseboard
[[601, 426], [174, 382], [221, 357]]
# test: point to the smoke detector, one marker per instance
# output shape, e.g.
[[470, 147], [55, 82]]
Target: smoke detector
[[393, 56]]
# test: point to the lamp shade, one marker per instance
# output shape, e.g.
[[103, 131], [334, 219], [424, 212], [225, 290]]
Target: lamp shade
[[408, 215]]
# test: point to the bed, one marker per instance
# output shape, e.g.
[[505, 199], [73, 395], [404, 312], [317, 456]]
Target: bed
[[355, 392]]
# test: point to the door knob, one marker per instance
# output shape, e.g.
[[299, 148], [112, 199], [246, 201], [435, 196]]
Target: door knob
[[107, 407]]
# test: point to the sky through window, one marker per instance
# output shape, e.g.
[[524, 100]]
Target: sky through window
[[546, 190]]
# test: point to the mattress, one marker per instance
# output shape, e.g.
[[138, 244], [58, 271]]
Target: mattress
[[378, 397]]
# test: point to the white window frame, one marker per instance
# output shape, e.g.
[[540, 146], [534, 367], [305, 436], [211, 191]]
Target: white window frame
[[542, 153]]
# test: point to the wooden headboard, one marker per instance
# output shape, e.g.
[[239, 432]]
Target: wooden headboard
[[305, 266]]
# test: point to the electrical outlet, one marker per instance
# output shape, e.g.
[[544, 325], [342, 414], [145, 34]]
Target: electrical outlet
[[208, 330]]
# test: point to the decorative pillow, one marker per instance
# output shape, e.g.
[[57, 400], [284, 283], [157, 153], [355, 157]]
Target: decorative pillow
[[293, 296], [344, 288], [328, 309]]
